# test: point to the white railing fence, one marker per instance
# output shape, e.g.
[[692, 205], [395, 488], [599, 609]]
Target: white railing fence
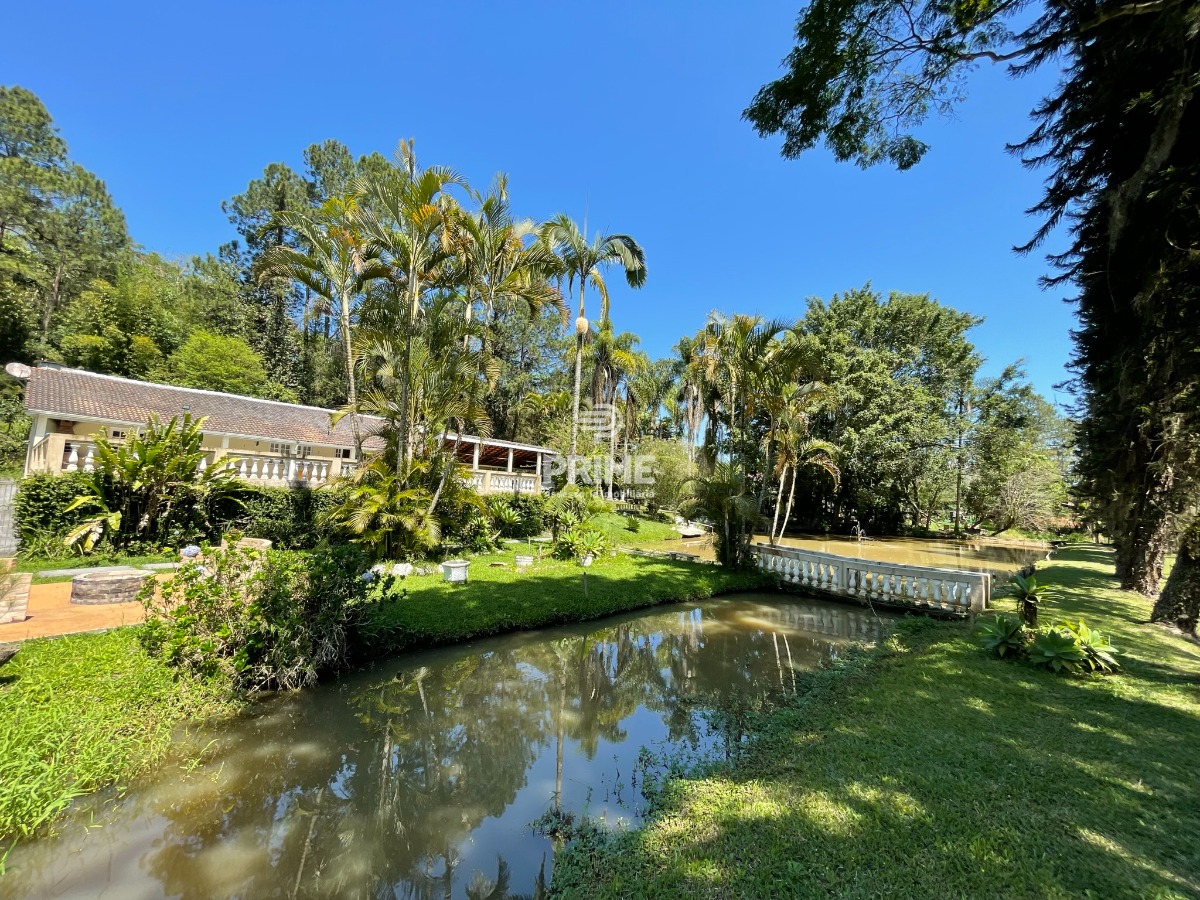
[[864, 579], [504, 482]]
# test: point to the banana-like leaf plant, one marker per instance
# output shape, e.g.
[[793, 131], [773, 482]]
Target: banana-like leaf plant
[[154, 487]]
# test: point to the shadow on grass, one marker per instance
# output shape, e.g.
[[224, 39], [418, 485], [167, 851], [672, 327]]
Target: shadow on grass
[[944, 772]]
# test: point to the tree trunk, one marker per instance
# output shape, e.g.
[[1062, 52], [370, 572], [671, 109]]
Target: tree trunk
[[787, 516], [1179, 603], [351, 380], [575, 398], [778, 504], [1147, 550]]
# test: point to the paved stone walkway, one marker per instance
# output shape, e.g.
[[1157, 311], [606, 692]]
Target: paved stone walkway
[[84, 570], [51, 613]]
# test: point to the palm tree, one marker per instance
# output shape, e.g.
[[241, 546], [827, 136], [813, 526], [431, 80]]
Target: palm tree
[[500, 262], [737, 358], [614, 360], [581, 262], [409, 215], [722, 499], [334, 260]]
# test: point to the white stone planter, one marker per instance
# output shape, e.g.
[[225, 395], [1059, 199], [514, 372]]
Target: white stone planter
[[524, 562], [455, 571], [587, 560]]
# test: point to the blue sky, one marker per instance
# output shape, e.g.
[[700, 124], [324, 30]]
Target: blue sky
[[630, 111]]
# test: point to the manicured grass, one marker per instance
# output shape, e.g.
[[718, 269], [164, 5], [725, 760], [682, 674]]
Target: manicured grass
[[616, 528], [84, 712], [497, 598], [926, 768]]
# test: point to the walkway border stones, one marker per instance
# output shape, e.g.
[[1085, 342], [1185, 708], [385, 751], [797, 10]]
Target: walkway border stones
[[14, 597]]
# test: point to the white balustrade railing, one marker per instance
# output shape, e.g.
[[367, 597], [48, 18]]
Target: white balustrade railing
[[486, 482], [869, 580], [281, 471]]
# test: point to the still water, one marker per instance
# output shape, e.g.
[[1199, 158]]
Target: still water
[[966, 555], [419, 777]]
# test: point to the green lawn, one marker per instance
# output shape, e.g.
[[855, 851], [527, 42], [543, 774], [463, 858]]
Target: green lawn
[[40, 563], [497, 598], [928, 769], [84, 712], [616, 528]]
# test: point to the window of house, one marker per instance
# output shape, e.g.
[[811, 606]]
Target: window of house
[[342, 453], [116, 434]]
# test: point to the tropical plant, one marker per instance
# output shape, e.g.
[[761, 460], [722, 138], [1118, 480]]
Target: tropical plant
[[581, 262], [154, 487], [385, 510], [572, 506], [1057, 649], [1100, 654], [1003, 634], [506, 519], [1029, 594], [335, 261], [579, 542], [722, 499]]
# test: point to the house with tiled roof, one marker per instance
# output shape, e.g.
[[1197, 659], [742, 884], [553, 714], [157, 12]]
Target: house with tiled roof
[[268, 442]]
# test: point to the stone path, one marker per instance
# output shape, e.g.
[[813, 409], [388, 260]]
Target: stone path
[[85, 570], [51, 613]]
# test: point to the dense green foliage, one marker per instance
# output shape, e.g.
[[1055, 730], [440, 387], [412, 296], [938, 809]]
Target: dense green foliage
[[1122, 177], [42, 514], [151, 489], [258, 619], [84, 712], [288, 517], [926, 768]]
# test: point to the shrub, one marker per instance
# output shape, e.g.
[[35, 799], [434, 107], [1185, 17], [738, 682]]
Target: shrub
[[1099, 653], [41, 509], [580, 541], [1004, 635], [518, 515], [153, 488], [273, 619], [288, 517], [1029, 595], [572, 506], [1057, 649]]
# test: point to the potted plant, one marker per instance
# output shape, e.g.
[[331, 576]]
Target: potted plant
[[1028, 594], [455, 571]]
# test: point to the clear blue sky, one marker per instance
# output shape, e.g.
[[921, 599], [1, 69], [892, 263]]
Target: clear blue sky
[[630, 110]]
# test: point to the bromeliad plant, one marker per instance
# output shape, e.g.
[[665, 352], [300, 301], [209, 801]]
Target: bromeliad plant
[[153, 488], [1004, 635], [1065, 647]]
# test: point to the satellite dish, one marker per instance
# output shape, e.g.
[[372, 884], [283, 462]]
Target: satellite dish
[[18, 370]]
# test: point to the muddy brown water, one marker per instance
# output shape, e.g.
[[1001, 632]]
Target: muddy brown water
[[966, 555], [420, 776]]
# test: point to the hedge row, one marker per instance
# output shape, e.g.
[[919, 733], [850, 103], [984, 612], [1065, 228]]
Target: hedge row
[[286, 516]]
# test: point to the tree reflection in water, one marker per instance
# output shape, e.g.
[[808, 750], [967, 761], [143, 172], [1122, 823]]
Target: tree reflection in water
[[418, 779]]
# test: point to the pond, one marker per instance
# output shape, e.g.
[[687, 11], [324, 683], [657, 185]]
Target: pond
[[420, 777], [965, 555]]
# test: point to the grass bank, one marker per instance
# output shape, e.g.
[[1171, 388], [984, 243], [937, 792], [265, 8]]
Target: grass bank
[[928, 769], [84, 712], [497, 598]]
